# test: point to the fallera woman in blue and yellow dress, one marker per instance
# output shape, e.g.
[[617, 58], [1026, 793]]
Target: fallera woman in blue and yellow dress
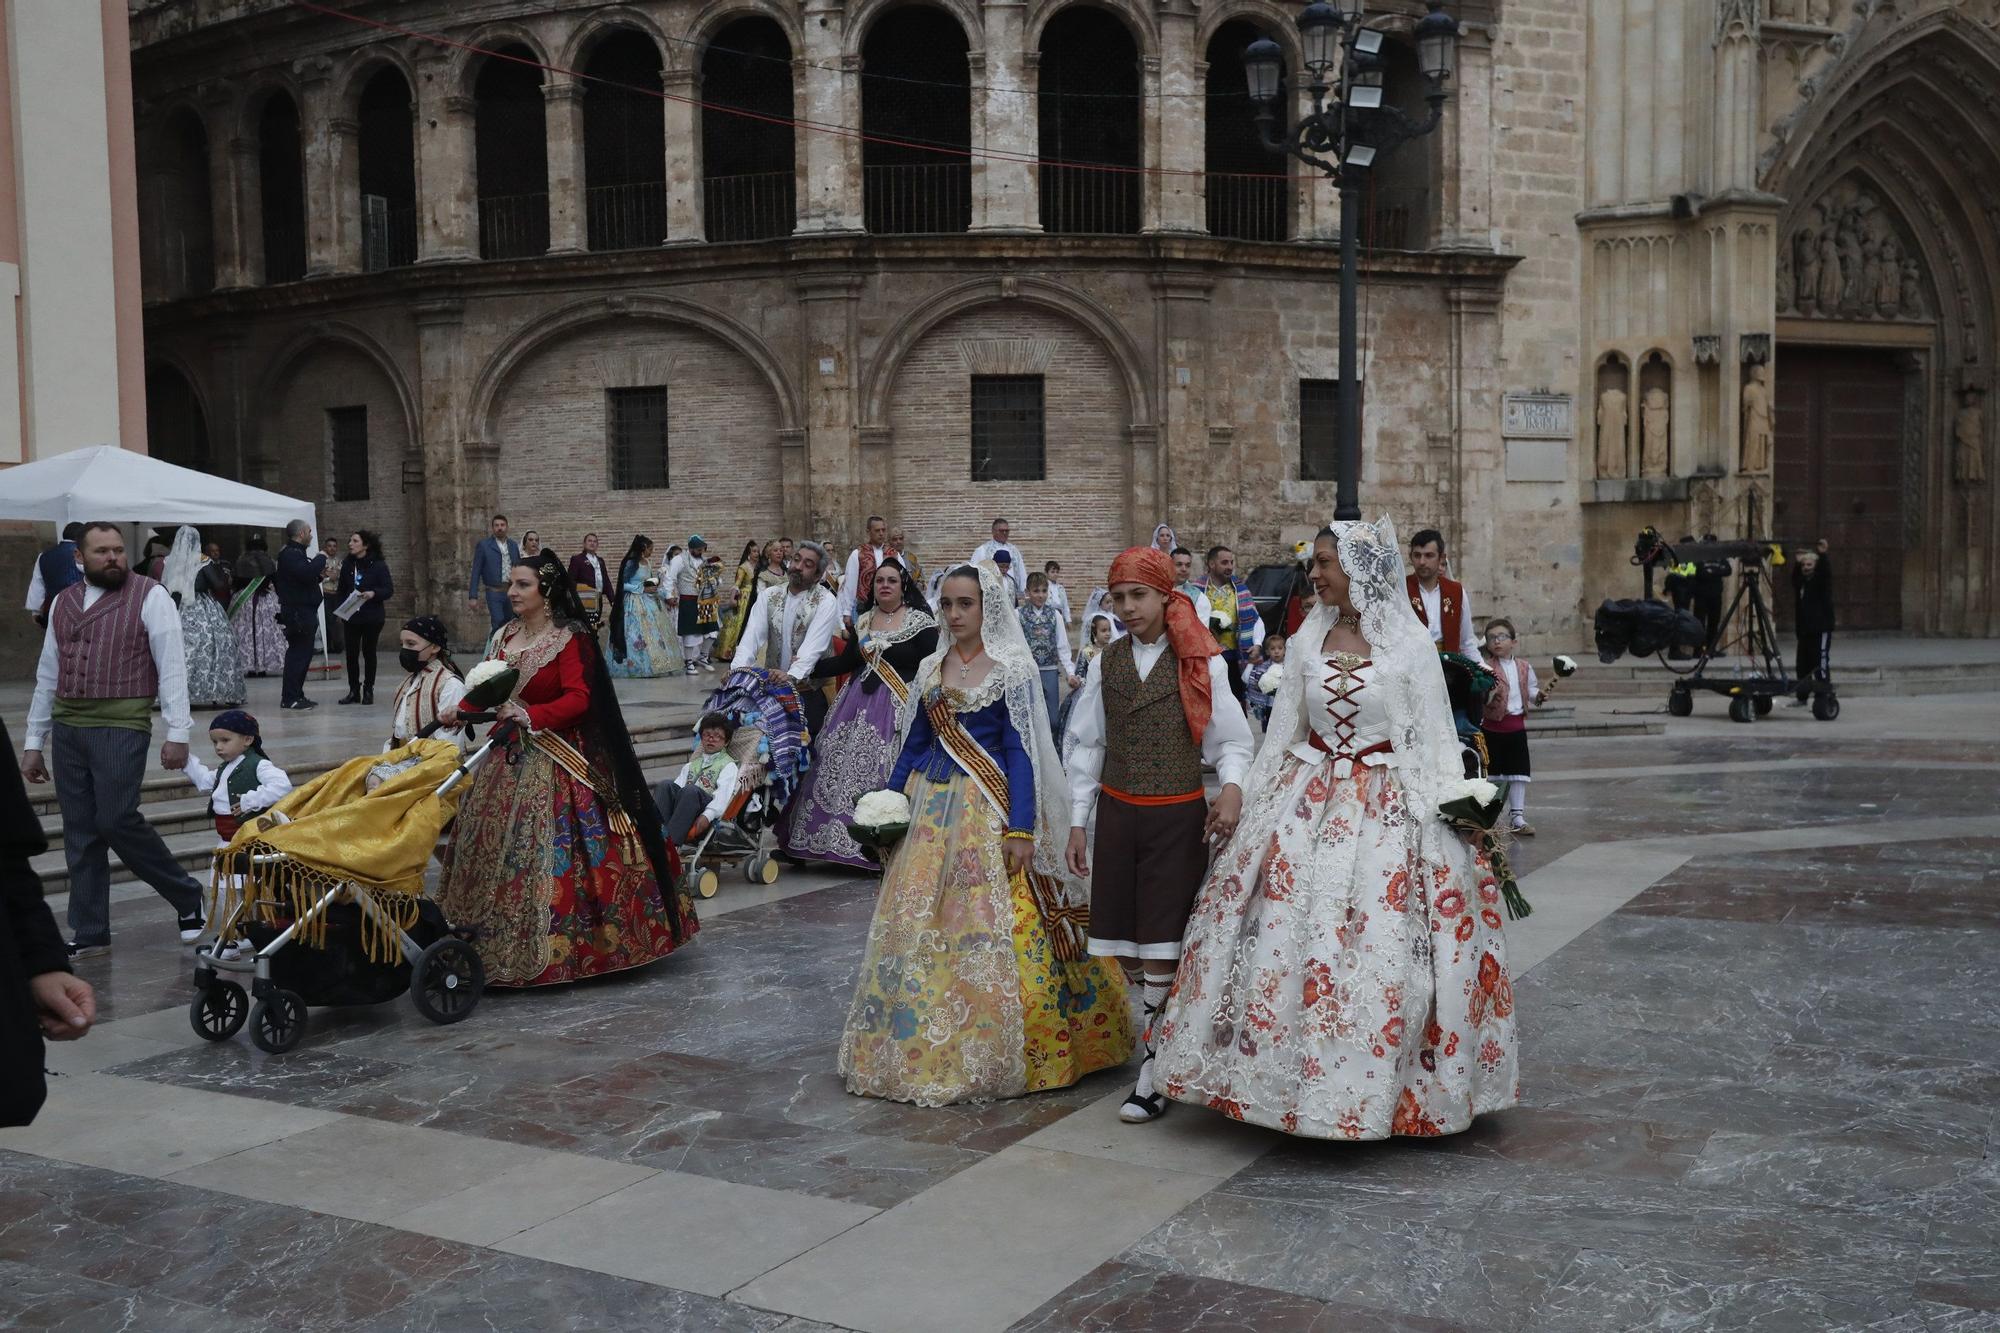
[[976, 983]]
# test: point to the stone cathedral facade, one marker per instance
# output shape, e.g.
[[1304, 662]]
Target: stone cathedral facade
[[762, 266]]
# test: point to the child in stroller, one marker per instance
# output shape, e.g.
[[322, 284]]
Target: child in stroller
[[767, 748], [700, 794]]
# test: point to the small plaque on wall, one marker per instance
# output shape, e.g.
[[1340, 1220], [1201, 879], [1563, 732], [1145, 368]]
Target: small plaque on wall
[[1538, 416]]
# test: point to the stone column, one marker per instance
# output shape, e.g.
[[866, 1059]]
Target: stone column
[[447, 168], [828, 85], [333, 176], [563, 100], [686, 222], [829, 305], [1004, 121], [1177, 117], [1463, 205], [439, 528], [231, 226], [1150, 146], [1196, 481], [1477, 466], [1738, 96]]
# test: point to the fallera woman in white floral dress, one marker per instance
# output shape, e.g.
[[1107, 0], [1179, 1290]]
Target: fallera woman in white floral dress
[[1345, 973]]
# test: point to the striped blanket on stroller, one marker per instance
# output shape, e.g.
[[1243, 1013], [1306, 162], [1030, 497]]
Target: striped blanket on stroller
[[753, 699]]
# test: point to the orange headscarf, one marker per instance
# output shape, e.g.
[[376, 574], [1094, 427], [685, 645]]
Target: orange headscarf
[[1193, 645]]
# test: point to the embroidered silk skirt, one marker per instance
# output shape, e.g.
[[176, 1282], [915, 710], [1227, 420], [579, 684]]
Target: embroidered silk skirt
[[961, 996]]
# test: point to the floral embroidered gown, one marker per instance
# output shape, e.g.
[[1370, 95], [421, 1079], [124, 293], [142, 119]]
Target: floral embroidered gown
[[651, 647], [537, 864], [961, 996], [857, 745], [1334, 984]]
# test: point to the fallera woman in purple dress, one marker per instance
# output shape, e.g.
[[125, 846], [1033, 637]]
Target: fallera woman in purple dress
[[856, 748]]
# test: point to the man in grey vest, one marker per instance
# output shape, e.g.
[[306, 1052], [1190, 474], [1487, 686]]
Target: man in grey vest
[[113, 644]]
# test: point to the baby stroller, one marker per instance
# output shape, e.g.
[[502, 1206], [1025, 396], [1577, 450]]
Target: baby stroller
[[1468, 682], [327, 887], [771, 755]]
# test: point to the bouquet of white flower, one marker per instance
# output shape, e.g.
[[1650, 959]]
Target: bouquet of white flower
[[1565, 666], [1473, 806], [881, 818], [487, 686]]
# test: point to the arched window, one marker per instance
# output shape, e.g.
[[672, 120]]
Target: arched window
[[916, 91], [1248, 189], [624, 143], [176, 429], [1090, 123], [749, 190], [513, 152], [281, 186], [388, 171], [180, 250]]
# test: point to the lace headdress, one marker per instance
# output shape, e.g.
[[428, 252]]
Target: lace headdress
[[1406, 673], [1015, 676]]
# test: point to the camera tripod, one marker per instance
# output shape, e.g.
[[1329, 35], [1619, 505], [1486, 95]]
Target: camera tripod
[[1747, 619]]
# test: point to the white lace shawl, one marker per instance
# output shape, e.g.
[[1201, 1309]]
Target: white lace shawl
[[1015, 676], [182, 564], [1406, 671]]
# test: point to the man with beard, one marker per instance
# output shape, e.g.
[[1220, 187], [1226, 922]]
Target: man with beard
[[791, 628], [113, 644], [1234, 620]]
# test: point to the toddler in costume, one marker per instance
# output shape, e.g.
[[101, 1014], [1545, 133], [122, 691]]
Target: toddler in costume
[[244, 781], [1155, 708], [703, 788], [1505, 725], [1260, 677]]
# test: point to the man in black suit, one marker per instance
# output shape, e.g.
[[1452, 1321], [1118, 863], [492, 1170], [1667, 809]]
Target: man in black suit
[[298, 578]]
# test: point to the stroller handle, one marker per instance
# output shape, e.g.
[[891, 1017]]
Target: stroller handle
[[464, 719]]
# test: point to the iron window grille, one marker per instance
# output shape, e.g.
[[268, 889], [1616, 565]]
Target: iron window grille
[[1007, 434], [637, 421], [347, 433]]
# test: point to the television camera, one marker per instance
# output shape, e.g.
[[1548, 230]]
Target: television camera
[[1648, 626]]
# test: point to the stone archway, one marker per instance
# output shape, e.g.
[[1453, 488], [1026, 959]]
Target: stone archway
[[1887, 286]]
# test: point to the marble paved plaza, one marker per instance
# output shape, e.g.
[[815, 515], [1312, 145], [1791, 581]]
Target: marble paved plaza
[[1761, 1086]]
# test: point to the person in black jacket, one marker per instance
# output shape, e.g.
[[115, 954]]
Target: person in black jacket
[[38, 995], [364, 572], [1812, 618], [298, 576]]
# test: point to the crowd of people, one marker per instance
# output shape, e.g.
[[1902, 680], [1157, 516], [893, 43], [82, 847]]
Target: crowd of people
[[1310, 948]]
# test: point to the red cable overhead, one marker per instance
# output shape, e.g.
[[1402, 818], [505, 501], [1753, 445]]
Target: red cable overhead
[[814, 127]]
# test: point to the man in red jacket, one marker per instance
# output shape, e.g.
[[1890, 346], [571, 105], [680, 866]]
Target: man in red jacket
[[1438, 601]]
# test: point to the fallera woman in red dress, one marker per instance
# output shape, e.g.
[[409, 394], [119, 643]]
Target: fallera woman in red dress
[[557, 858]]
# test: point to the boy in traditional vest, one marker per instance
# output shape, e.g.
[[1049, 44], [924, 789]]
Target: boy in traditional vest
[[1515, 691], [244, 781], [703, 789], [1153, 711]]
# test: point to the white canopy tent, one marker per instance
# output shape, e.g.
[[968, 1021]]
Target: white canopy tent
[[103, 482], [117, 485]]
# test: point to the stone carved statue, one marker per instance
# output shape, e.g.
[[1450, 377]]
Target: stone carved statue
[[1888, 290], [1851, 260], [1655, 408], [1968, 434], [1913, 290], [1871, 275], [1808, 271], [1826, 290], [1785, 11], [1820, 12], [1612, 417], [1757, 420]]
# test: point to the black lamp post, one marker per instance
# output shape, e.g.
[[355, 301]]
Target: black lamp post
[[1347, 131]]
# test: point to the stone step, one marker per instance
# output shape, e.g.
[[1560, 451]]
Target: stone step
[[1862, 684]]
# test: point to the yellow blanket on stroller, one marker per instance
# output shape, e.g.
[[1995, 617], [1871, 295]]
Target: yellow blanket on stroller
[[339, 832]]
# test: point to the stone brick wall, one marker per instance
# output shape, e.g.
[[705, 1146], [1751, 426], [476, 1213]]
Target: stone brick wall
[[722, 442], [1079, 513]]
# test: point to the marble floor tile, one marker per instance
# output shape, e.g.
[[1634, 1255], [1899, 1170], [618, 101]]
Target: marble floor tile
[[689, 1232], [308, 1076], [51, 1302], [151, 1129], [1117, 1296], [362, 1169], [1021, 1211], [1189, 1138], [1596, 1144], [517, 1199], [1604, 1291], [1485, 1279]]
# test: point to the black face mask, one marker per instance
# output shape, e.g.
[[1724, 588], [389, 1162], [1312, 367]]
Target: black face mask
[[412, 660]]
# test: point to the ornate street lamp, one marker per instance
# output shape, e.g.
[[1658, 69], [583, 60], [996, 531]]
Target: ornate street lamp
[[1348, 131]]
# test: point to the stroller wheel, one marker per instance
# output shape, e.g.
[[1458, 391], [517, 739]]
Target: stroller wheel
[[447, 981], [218, 1011], [707, 883], [278, 1022], [761, 870]]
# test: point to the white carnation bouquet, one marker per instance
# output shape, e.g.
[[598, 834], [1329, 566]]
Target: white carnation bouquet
[[1472, 806], [487, 686], [881, 818]]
